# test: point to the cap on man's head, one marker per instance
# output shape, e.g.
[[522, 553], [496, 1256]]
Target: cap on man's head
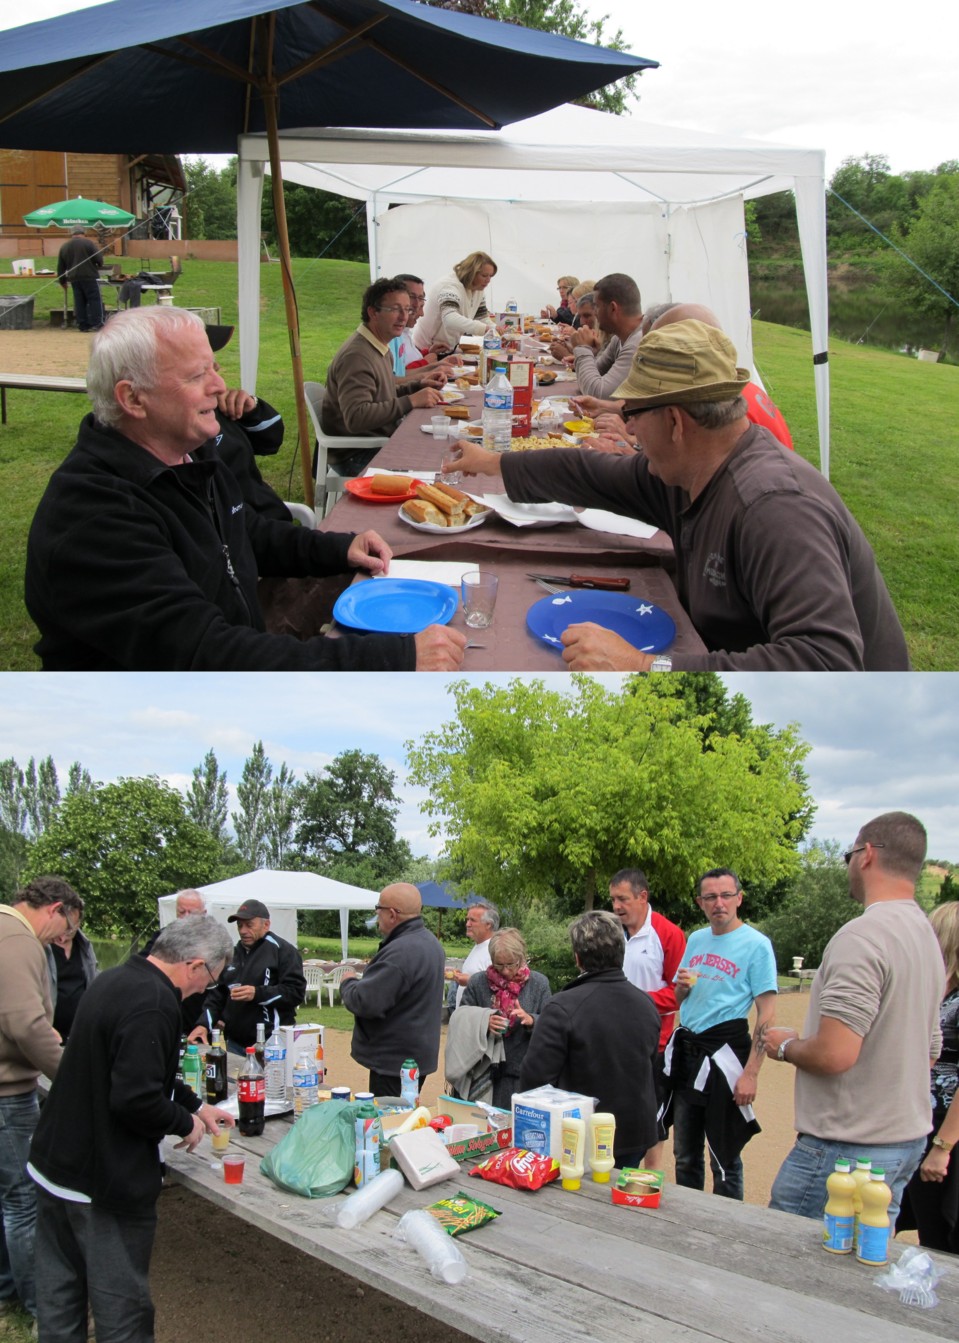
[[250, 909], [684, 362], [218, 336]]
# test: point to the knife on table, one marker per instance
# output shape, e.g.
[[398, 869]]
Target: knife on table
[[584, 581]]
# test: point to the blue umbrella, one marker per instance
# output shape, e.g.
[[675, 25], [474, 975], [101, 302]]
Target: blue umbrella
[[439, 895], [174, 77]]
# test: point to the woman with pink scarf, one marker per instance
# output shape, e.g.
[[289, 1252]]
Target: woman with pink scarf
[[516, 995]]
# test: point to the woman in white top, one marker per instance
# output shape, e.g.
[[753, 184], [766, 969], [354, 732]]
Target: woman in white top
[[456, 306]]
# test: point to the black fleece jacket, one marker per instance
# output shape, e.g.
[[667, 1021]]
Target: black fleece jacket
[[134, 565]]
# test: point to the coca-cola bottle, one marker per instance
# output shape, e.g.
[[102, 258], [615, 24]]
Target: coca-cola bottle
[[216, 1071], [251, 1096]]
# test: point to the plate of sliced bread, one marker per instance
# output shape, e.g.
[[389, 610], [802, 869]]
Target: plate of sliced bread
[[442, 508]]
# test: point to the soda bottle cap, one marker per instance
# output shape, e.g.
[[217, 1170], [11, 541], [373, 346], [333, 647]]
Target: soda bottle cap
[[251, 1049]]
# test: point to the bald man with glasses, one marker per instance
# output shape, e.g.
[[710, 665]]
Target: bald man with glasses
[[397, 1005], [45, 909]]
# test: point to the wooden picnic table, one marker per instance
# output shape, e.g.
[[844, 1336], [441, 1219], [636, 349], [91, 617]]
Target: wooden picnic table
[[511, 553], [572, 1266]]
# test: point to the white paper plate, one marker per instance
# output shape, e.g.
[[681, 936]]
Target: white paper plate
[[451, 395], [476, 521]]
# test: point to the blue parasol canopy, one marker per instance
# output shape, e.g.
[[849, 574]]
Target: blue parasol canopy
[[439, 895]]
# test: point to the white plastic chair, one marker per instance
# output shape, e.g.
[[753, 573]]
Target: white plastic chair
[[314, 981], [329, 482], [331, 981]]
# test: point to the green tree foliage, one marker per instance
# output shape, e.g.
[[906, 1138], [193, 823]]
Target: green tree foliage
[[318, 222], [542, 795], [206, 800], [280, 817], [932, 241], [948, 891], [251, 822], [347, 821], [78, 780], [30, 797], [210, 205], [818, 903], [123, 845], [13, 857], [565, 18]]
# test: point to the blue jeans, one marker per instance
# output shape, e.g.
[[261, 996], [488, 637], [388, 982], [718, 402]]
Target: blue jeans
[[18, 1199], [800, 1186], [689, 1141]]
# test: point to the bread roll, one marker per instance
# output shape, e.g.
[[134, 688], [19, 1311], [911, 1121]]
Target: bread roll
[[380, 484], [456, 412], [419, 510]]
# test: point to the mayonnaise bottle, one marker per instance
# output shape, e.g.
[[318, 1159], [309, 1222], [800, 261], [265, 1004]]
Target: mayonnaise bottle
[[574, 1146], [602, 1135]]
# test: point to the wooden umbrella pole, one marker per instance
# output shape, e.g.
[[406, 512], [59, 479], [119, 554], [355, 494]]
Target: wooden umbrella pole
[[289, 295]]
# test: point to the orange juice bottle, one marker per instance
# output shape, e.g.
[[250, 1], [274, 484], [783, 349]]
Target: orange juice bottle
[[861, 1176], [839, 1214], [872, 1237]]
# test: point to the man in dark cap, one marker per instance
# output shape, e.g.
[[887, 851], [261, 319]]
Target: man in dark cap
[[774, 571], [263, 983]]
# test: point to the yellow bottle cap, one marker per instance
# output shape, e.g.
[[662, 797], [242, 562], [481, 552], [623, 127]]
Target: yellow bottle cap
[[571, 1185], [601, 1176]]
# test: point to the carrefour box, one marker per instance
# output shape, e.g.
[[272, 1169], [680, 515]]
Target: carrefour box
[[538, 1118], [638, 1187], [306, 1038]]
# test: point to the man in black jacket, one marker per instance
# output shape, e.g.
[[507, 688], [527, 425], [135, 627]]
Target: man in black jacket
[[78, 264], [599, 1036], [398, 1004], [95, 1152], [263, 983], [144, 554]]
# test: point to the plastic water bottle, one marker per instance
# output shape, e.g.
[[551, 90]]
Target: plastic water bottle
[[512, 305], [498, 413], [306, 1085], [275, 1067], [492, 350], [410, 1082]]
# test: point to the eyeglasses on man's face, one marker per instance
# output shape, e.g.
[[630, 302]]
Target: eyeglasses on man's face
[[394, 307], [847, 856], [65, 915], [718, 895]]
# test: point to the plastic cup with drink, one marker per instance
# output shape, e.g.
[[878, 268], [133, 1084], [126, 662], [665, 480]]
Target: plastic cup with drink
[[233, 1168]]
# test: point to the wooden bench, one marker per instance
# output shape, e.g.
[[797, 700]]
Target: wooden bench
[[36, 382]]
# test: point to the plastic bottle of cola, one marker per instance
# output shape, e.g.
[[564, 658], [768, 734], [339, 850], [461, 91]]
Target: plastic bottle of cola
[[305, 1085], [251, 1096], [498, 413]]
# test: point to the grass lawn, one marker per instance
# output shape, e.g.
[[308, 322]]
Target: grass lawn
[[892, 460]]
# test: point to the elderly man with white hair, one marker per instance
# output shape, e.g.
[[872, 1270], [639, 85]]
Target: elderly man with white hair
[[143, 554]]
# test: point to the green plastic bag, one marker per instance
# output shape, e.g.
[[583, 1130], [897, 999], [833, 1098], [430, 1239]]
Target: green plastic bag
[[316, 1157]]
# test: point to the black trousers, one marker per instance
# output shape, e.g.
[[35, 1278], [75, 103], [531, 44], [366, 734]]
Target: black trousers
[[87, 304], [86, 1253]]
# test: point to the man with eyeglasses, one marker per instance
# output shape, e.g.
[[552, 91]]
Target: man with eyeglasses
[[872, 1029], [711, 1065], [363, 395], [45, 909], [406, 354], [772, 568], [95, 1155], [264, 983], [397, 1005]]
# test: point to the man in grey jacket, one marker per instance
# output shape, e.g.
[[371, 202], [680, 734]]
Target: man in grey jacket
[[397, 1004]]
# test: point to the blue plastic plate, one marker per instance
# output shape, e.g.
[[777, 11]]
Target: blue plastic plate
[[645, 626], [395, 605]]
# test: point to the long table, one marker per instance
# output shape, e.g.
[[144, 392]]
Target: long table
[[512, 553], [564, 1266]]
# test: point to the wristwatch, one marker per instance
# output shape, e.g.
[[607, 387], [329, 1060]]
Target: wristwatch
[[781, 1051], [661, 663], [942, 1144]]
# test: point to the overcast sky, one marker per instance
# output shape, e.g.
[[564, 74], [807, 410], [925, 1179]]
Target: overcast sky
[[879, 742], [847, 78]]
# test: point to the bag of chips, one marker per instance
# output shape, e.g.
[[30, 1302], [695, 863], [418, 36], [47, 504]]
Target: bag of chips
[[518, 1168], [461, 1213]]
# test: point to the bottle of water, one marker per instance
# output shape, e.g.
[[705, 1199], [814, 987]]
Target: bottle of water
[[512, 305], [305, 1085], [492, 347], [498, 413], [275, 1067], [193, 1071]]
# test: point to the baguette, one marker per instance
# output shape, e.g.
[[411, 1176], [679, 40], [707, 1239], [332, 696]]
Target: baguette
[[456, 412], [418, 510], [453, 508], [380, 484]]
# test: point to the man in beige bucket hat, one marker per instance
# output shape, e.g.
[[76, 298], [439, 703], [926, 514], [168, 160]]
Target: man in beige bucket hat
[[774, 571]]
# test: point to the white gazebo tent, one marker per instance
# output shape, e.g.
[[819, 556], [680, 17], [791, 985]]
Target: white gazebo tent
[[283, 893], [570, 191]]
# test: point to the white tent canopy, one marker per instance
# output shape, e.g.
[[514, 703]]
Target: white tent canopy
[[572, 190], [283, 893]]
